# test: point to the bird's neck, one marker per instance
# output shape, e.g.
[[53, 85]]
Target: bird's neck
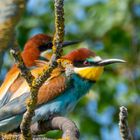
[[81, 85]]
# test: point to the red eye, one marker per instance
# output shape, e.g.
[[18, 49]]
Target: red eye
[[86, 63]]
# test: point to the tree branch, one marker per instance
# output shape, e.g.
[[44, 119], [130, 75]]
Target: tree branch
[[123, 124], [68, 127], [36, 84], [25, 72]]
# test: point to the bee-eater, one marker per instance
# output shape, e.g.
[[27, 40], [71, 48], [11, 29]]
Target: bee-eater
[[30, 54], [58, 94]]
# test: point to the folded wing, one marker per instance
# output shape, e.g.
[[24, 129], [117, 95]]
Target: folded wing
[[52, 88], [9, 85]]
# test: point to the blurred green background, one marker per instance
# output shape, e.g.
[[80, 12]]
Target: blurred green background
[[112, 29]]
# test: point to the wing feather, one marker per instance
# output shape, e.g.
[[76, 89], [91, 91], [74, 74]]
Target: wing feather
[[9, 79], [9, 85], [52, 88]]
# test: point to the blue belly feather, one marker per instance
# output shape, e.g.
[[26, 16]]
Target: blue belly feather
[[66, 102], [61, 105]]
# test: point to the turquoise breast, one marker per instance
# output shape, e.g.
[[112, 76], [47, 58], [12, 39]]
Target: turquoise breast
[[67, 101], [61, 105]]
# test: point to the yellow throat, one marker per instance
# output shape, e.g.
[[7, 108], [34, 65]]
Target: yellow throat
[[90, 73]]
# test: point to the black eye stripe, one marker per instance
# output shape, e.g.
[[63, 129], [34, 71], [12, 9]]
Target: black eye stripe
[[82, 63], [78, 62], [45, 46]]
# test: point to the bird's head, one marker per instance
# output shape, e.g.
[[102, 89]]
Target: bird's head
[[36, 45], [87, 64]]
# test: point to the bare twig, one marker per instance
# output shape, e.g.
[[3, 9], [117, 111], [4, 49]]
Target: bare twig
[[70, 131], [123, 124]]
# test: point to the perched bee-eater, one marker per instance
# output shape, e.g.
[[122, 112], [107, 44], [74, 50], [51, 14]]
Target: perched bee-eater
[[30, 54], [58, 94]]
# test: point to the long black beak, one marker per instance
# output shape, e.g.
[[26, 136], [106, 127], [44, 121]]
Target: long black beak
[[68, 43], [49, 45], [108, 62]]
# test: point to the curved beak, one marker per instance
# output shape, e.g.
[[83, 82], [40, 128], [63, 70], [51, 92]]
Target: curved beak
[[108, 62]]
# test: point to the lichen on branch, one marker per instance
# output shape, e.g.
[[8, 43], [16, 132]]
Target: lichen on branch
[[25, 72], [36, 83]]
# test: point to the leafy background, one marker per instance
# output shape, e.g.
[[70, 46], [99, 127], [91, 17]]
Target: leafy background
[[112, 29]]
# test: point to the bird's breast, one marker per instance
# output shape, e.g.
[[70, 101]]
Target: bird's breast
[[90, 73], [66, 101]]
